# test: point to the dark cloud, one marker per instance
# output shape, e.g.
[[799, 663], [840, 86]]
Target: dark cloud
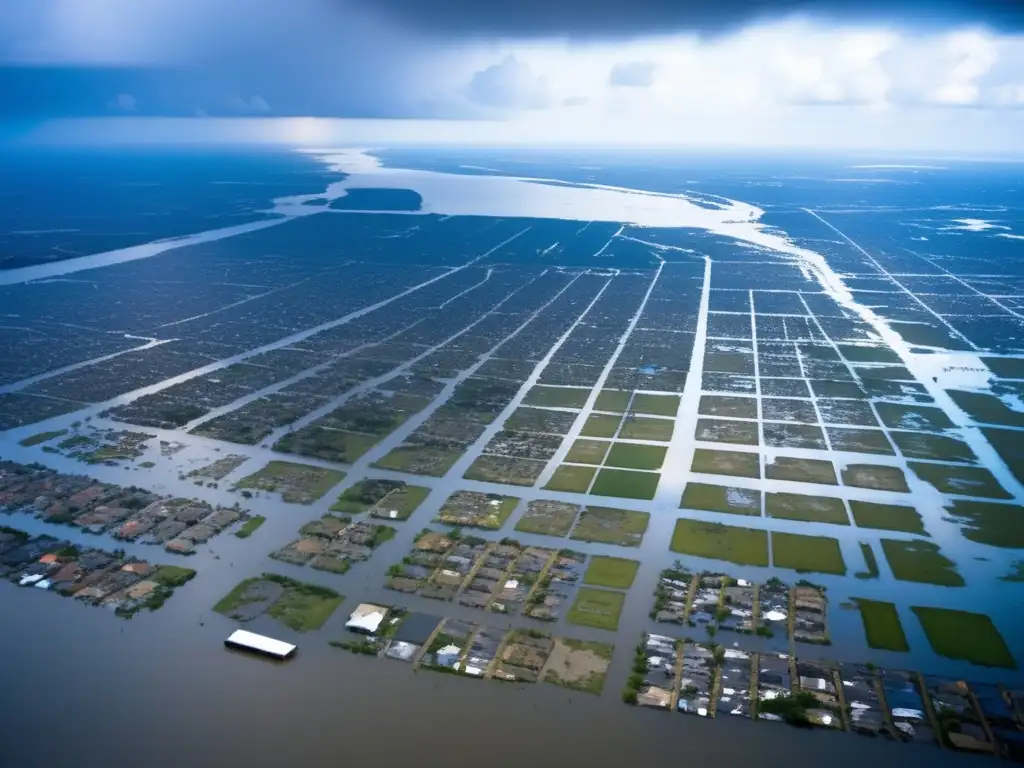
[[218, 57], [632, 74], [617, 19]]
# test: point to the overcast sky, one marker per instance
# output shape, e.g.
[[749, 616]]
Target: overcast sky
[[899, 74]]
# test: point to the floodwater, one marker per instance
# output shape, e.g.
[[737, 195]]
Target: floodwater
[[85, 689], [162, 690]]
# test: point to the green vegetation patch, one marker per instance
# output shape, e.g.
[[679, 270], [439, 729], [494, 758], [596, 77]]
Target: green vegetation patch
[[923, 445], [172, 575], [303, 607], [882, 625], [722, 498], [601, 425], [641, 428], [540, 420], [605, 525], [807, 554], [572, 479], [614, 400], [548, 518], [812, 509], [633, 456], [557, 397], [921, 561], [962, 635], [864, 353], [613, 572], [327, 443], [297, 483], [985, 522], [887, 517], [794, 436], [722, 431], [875, 476], [801, 470], [300, 606], [725, 405], [922, 418], [434, 461], [508, 470], [250, 526], [596, 608], [388, 499], [1006, 442], [42, 437], [626, 484], [656, 405], [859, 440], [1005, 367], [588, 451], [744, 546], [846, 389], [961, 481], [478, 510], [985, 408], [870, 562], [735, 463]]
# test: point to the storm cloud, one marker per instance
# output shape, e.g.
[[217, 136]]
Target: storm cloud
[[610, 19], [661, 71], [218, 57]]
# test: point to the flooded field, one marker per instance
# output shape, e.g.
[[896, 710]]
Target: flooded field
[[775, 440]]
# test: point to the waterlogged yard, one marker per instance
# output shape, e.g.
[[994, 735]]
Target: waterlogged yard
[[299, 606]]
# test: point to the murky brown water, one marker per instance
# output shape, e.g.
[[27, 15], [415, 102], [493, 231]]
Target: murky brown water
[[82, 688]]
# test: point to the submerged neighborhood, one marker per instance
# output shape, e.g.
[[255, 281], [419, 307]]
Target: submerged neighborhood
[[730, 473]]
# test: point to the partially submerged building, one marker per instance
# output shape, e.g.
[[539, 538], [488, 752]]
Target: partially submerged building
[[697, 681], [366, 618], [243, 640]]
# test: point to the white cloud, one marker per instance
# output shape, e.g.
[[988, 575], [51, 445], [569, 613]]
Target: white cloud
[[632, 74], [252, 105], [509, 84], [123, 102], [1009, 95], [746, 75]]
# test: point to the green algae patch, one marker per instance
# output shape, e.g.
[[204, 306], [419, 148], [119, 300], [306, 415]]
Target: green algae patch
[[611, 572], [966, 636], [571, 478], [921, 561], [807, 554], [984, 522], [882, 625], [887, 517], [743, 546], [626, 484], [722, 498], [812, 509]]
